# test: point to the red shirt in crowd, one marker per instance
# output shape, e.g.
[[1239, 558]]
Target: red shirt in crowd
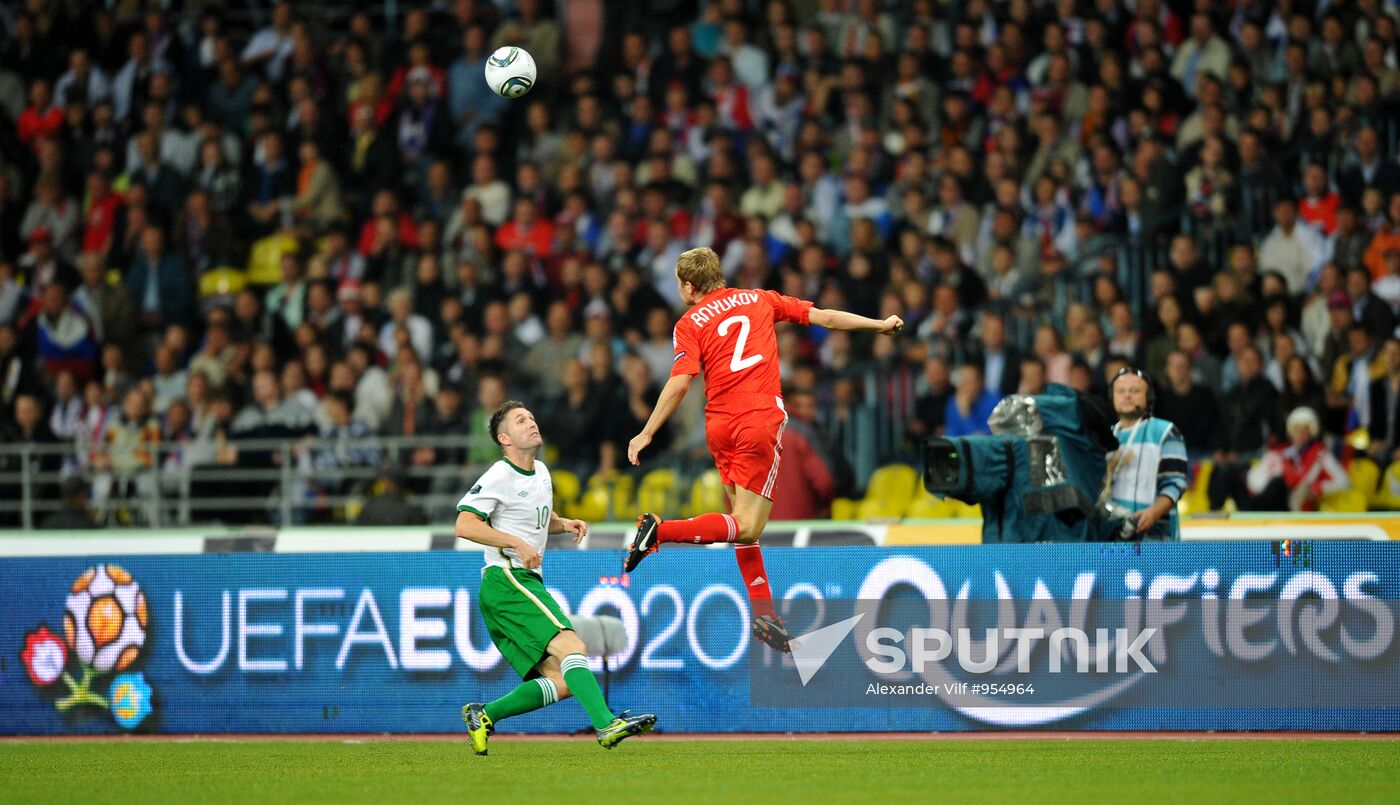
[[537, 238], [34, 124], [100, 222], [1320, 212]]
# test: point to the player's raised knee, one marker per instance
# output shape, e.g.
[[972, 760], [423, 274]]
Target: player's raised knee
[[567, 642], [747, 532]]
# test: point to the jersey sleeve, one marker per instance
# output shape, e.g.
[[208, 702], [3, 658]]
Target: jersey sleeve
[[687, 346], [788, 308], [485, 496]]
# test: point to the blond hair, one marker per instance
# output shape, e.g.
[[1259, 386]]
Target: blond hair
[[700, 267]]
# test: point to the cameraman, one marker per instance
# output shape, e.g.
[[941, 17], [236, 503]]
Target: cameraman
[[1147, 474]]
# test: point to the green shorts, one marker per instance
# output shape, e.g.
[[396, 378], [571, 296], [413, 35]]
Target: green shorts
[[521, 616]]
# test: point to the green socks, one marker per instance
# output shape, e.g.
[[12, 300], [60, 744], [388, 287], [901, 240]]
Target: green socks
[[585, 688], [540, 692], [531, 695]]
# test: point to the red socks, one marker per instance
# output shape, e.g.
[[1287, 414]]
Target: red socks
[[750, 560], [707, 528], [716, 527]]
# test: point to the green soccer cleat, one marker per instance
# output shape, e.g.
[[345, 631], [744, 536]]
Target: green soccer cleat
[[643, 543], [479, 726], [624, 727]]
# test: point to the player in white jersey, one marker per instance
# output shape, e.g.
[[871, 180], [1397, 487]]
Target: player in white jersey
[[510, 511]]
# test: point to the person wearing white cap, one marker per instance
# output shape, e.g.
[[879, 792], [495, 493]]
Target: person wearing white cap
[[1295, 476]]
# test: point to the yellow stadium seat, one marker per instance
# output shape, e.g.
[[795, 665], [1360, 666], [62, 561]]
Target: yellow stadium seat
[[618, 489], [928, 506], [657, 492], [1387, 497], [706, 495], [265, 262], [1364, 474], [592, 505], [889, 493], [1196, 500], [844, 509], [221, 282], [566, 491], [1345, 501]]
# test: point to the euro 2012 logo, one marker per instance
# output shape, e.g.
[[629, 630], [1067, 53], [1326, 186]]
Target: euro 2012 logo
[[104, 629]]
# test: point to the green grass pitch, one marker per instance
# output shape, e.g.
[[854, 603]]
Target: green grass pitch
[[671, 771]]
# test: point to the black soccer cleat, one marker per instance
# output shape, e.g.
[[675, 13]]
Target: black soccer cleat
[[644, 542], [770, 630]]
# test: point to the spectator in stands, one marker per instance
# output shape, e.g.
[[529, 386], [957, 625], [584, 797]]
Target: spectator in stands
[[159, 283], [1295, 476], [967, 411], [1242, 429], [389, 505], [804, 490], [1382, 419], [1187, 404], [1293, 251], [125, 458], [75, 513], [1353, 372]]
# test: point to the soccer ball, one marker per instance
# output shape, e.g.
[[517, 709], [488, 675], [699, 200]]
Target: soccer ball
[[510, 72], [104, 619]]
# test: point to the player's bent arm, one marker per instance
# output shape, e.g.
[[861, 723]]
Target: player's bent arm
[[842, 320], [559, 525], [472, 528]]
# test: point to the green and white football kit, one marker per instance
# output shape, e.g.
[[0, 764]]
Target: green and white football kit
[[521, 616]]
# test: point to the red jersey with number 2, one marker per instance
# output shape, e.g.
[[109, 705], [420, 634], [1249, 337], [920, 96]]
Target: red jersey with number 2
[[729, 335]]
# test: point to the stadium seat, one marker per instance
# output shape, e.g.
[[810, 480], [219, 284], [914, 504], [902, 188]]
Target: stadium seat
[[592, 505], [617, 489], [1364, 475], [566, 492], [657, 493], [221, 281], [1197, 500], [889, 493], [844, 509], [265, 262], [928, 506], [1387, 497], [706, 495]]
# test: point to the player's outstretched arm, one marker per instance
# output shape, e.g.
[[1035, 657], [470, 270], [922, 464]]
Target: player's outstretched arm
[[671, 395], [558, 525], [472, 528], [841, 320]]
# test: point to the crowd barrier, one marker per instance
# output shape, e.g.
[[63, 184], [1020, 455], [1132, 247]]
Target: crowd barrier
[[275, 641]]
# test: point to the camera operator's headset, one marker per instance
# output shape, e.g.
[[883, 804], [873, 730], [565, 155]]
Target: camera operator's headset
[[1136, 372]]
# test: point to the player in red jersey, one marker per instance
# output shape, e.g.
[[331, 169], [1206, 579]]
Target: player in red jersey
[[729, 334]]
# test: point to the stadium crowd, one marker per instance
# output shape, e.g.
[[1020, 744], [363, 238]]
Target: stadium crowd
[[242, 222]]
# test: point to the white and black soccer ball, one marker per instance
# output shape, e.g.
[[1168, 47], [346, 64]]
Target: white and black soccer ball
[[510, 71], [104, 618]]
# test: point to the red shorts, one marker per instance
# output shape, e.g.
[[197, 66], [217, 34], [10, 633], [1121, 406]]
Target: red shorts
[[748, 446]]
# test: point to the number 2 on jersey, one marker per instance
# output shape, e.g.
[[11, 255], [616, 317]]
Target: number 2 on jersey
[[738, 363]]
